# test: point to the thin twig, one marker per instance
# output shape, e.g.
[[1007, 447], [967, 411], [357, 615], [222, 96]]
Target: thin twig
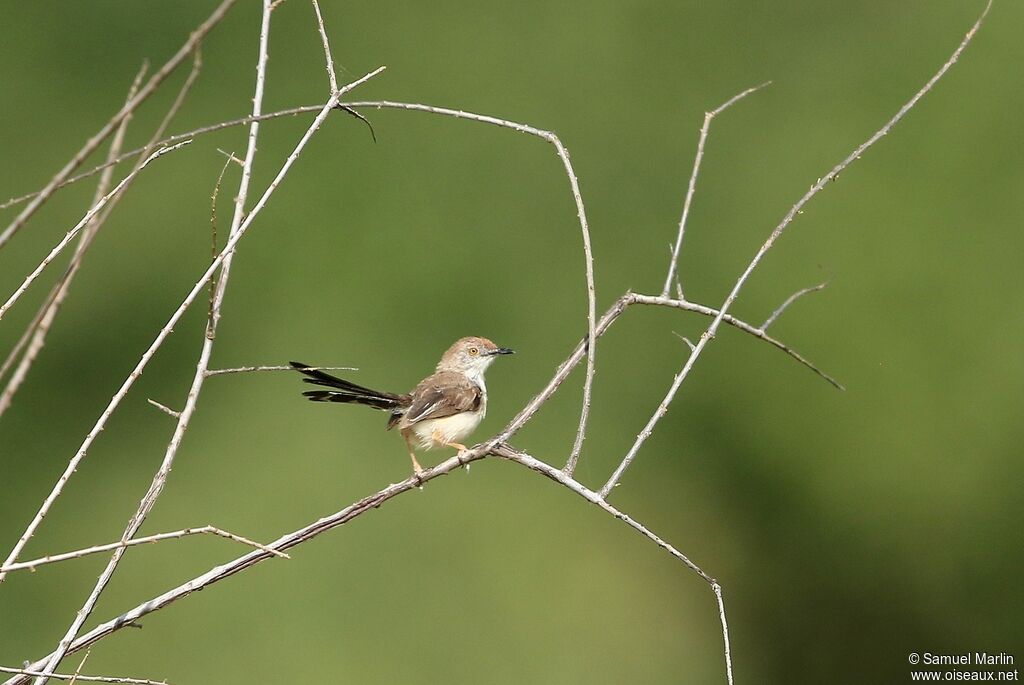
[[47, 313], [363, 506], [477, 452], [160, 478], [283, 543], [790, 300], [605, 322], [818, 185], [736, 323], [81, 665], [34, 337], [213, 235], [164, 408], [331, 76], [90, 146], [69, 236], [252, 369], [692, 186], [581, 214], [175, 317], [173, 535], [76, 676], [188, 135], [508, 452], [641, 438]]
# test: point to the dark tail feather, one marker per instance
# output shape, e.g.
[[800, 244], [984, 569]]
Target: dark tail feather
[[347, 392]]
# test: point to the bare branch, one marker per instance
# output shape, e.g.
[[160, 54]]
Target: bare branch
[[213, 236], [76, 676], [81, 665], [736, 323], [692, 186], [40, 326], [508, 452], [173, 535], [169, 141], [90, 146], [365, 505], [34, 336], [164, 408], [712, 329], [790, 300], [725, 630], [74, 231], [331, 76], [160, 478], [581, 213], [645, 433], [175, 317], [251, 369], [283, 543]]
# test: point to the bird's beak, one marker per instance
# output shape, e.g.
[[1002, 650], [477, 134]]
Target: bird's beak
[[501, 350]]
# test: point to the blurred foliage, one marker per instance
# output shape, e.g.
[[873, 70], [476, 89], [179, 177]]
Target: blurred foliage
[[847, 528]]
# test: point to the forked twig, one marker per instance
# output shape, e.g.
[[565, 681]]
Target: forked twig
[[173, 320], [581, 214], [692, 185], [818, 185], [496, 445], [90, 146], [69, 236], [160, 478]]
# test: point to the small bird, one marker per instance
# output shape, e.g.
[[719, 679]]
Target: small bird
[[440, 411]]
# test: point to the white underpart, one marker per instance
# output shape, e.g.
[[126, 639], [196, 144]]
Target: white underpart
[[448, 429], [453, 428]]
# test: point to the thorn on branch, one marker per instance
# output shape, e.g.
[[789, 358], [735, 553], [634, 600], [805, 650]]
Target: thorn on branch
[[165, 409]]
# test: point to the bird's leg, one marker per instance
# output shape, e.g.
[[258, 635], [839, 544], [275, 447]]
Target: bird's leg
[[439, 439], [417, 469]]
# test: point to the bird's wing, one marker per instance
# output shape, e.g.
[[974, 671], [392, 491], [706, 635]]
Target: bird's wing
[[443, 394]]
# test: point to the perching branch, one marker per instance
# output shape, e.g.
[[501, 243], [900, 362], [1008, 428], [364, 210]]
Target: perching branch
[[581, 214], [496, 445]]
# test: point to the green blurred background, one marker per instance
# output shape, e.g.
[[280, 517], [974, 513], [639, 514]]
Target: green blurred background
[[847, 528]]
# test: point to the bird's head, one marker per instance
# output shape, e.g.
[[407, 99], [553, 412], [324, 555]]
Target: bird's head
[[471, 356]]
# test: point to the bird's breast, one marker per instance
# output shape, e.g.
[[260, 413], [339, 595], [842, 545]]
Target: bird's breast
[[432, 433]]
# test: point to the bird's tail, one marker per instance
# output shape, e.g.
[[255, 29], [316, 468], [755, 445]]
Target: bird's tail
[[344, 391]]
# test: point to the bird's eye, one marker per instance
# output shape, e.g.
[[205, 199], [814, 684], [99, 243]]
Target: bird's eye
[[473, 351]]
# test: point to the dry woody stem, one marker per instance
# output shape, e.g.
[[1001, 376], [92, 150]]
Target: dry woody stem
[[497, 445]]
